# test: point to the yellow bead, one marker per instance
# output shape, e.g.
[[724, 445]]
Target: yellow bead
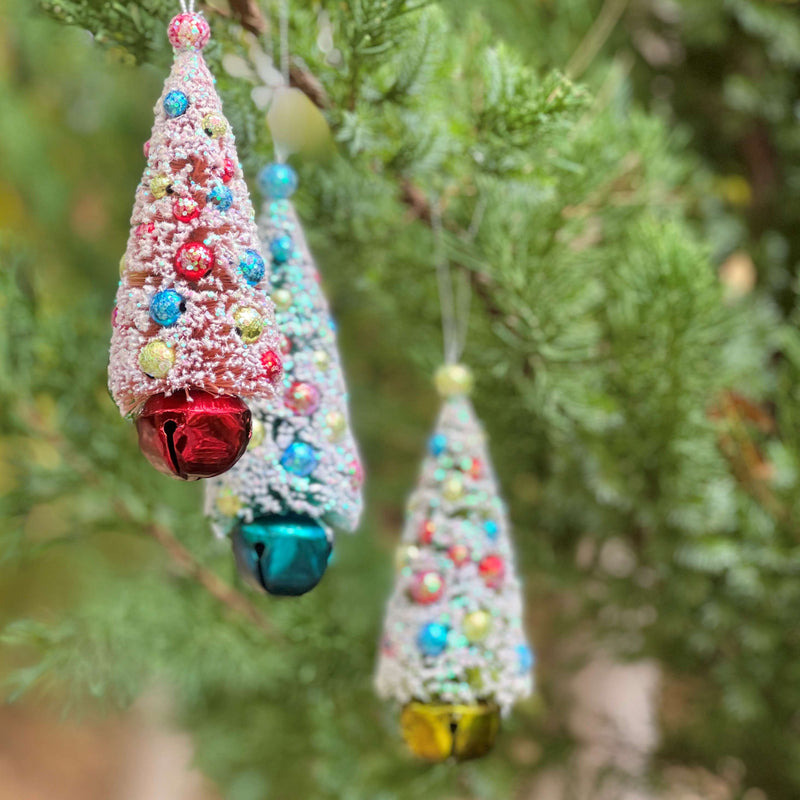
[[257, 436], [282, 299], [405, 555], [453, 379], [215, 125], [249, 324], [321, 360], [336, 424], [156, 359], [228, 504], [159, 186], [453, 489], [477, 625], [437, 731]]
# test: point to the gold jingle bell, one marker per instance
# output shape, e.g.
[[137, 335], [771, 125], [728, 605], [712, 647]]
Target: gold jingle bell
[[437, 731]]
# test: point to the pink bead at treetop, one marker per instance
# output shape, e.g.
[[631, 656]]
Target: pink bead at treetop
[[189, 32]]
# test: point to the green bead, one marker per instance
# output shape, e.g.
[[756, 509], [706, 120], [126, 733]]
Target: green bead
[[284, 555]]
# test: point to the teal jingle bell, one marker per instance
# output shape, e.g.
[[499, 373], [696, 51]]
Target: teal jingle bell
[[284, 555]]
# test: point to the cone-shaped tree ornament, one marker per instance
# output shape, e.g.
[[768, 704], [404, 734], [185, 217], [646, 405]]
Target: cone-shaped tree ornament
[[301, 477], [192, 326], [454, 651]]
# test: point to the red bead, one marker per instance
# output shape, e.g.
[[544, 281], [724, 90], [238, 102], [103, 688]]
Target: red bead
[[228, 170], [188, 32], [194, 260], [145, 228], [114, 318], [185, 209], [285, 344], [302, 398], [426, 587], [146, 149], [356, 473], [458, 554], [426, 531], [492, 569], [476, 468], [193, 438], [273, 366]]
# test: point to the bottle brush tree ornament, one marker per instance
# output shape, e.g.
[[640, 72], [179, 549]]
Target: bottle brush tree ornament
[[193, 330], [454, 652], [301, 477]]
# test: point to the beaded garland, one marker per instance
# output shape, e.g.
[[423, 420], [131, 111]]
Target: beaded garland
[[192, 226], [457, 638], [307, 463]]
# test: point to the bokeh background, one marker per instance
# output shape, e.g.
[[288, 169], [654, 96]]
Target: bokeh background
[[635, 344]]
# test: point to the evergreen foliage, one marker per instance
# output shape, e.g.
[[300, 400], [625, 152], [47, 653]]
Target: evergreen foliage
[[633, 409]]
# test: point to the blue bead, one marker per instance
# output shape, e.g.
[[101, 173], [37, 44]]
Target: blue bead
[[166, 307], [175, 104], [277, 181], [299, 458], [437, 444], [252, 266], [490, 526], [284, 555], [221, 196], [281, 248], [526, 658], [432, 638]]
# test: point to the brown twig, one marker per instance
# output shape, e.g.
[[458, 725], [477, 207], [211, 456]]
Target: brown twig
[[248, 15], [190, 567]]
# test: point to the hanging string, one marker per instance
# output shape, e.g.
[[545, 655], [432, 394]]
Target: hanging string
[[187, 7], [454, 290]]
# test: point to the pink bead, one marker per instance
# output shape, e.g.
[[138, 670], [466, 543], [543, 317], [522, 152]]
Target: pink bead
[[302, 398], [228, 170], [185, 209], [146, 149], [426, 587], [458, 554], [492, 569], [426, 532], [189, 32]]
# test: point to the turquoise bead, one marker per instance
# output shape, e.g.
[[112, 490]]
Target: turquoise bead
[[281, 249], [221, 196], [299, 458], [284, 555], [166, 307], [432, 638], [277, 181], [175, 104], [252, 266], [526, 658], [437, 444]]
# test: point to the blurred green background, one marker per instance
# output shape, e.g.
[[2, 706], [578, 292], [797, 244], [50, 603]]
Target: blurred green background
[[633, 335]]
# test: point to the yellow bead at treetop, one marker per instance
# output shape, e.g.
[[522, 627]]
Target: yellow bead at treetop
[[453, 379]]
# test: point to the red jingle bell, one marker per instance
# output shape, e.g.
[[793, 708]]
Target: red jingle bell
[[193, 437]]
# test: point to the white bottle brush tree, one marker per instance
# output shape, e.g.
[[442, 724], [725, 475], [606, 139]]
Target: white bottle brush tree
[[301, 477], [192, 325]]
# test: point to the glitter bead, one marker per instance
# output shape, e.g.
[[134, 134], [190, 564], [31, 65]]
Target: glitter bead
[[145, 229], [285, 344], [492, 569], [490, 526], [281, 249], [426, 587], [437, 444], [321, 360], [299, 459], [159, 186], [215, 125], [273, 366], [453, 489], [453, 379], [302, 398], [432, 638], [228, 504], [405, 555], [525, 657], [228, 170], [258, 434], [249, 324], [220, 196], [427, 531], [185, 209], [188, 32], [282, 299], [194, 260], [475, 468], [252, 267], [175, 104], [458, 554], [477, 625], [336, 425], [156, 359], [277, 181], [166, 307]]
